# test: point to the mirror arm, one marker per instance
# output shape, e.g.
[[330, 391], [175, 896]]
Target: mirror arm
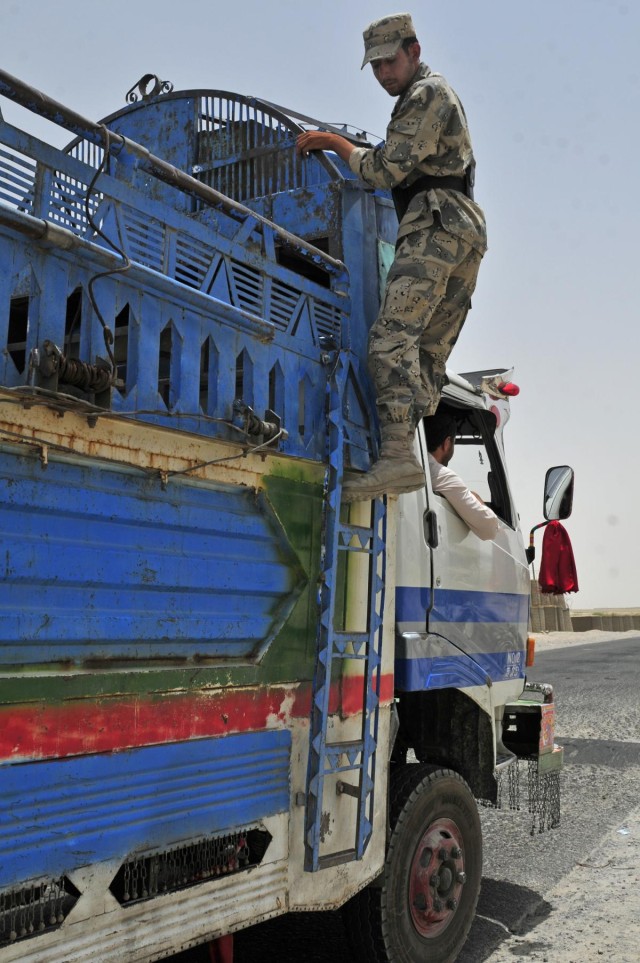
[[530, 552]]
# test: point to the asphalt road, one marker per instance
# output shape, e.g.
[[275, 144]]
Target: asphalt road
[[598, 723]]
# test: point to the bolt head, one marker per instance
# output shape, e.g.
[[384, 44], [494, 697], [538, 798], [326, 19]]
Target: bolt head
[[456, 852], [452, 903], [461, 877], [435, 880], [443, 854], [437, 906]]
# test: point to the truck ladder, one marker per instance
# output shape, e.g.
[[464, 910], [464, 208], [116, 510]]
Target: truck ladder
[[354, 760]]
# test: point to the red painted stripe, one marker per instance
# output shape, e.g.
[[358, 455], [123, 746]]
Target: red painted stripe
[[48, 731]]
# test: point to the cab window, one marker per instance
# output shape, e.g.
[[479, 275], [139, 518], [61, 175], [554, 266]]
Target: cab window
[[477, 461]]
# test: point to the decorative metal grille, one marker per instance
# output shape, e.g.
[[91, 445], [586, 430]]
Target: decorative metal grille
[[146, 238], [194, 261], [87, 152], [17, 176], [284, 301], [248, 286], [145, 876], [327, 320], [67, 203], [33, 909], [245, 151]]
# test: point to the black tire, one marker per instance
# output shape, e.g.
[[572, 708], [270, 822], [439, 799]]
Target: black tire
[[421, 908]]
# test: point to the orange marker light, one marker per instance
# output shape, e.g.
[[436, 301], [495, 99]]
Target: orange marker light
[[531, 651]]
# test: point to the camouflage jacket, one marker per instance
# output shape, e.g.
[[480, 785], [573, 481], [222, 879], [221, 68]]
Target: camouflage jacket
[[427, 134]]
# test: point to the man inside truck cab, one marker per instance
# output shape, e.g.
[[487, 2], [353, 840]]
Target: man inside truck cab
[[440, 430], [427, 162]]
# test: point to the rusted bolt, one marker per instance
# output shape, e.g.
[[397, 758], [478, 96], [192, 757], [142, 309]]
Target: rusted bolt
[[452, 903]]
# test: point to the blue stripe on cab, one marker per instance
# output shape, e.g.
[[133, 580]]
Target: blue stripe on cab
[[456, 605], [457, 671]]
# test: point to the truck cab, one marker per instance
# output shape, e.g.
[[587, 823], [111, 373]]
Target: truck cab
[[462, 602]]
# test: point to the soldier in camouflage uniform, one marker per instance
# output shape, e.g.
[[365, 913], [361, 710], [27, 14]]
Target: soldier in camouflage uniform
[[427, 163]]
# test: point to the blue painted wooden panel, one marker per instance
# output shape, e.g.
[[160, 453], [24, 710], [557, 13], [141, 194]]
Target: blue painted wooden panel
[[105, 564], [59, 815]]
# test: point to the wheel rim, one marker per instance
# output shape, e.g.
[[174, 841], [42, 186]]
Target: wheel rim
[[436, 878]]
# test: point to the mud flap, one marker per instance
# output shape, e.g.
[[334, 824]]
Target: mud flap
[[528, 732]]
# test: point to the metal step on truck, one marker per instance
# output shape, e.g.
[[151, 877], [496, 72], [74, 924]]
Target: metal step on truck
[[224, 695]]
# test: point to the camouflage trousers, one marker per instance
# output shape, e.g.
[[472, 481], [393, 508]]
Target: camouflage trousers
[[424, 306]]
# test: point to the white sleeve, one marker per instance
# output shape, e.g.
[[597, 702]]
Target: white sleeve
[[479, 517]]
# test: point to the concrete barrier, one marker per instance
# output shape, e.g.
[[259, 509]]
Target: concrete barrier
[[557, 601], [550, 613], [537, 620], [584, 623], [565, 620], [536, 595], [606, 621]]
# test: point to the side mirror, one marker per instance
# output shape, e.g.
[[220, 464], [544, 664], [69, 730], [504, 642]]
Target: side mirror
[[558, 493]]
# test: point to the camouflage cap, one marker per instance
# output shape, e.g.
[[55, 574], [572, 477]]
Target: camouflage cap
[[383, 38]]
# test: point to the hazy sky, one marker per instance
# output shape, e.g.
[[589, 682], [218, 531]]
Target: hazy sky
[[552, 93]]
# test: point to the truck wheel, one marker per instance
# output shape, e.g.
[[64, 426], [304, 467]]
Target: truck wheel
[[422, 906]]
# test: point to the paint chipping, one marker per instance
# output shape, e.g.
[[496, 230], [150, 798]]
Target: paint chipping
[[325, 825]]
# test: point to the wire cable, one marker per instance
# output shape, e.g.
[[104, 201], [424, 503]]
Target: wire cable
[[108, 333]]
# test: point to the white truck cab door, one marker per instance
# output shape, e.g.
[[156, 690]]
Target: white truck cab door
[[462, 604]]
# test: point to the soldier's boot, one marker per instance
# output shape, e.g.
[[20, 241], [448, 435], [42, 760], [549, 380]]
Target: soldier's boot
[[396, 472]]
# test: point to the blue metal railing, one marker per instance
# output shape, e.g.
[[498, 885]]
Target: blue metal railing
[[202, 310]]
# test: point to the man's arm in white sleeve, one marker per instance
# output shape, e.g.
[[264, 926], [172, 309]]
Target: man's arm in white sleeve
[[478, 516]]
